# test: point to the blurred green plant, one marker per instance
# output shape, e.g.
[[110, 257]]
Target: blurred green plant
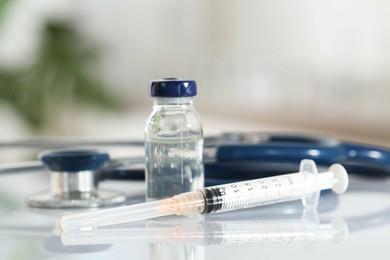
[[60, 74], [3, 3]]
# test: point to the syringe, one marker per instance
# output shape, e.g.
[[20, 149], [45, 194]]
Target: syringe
[[305, 185]]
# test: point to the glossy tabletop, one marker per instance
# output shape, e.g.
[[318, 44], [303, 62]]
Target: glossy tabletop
[[354, 225]]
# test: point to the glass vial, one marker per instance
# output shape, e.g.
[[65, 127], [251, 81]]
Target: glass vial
[[173, 140]]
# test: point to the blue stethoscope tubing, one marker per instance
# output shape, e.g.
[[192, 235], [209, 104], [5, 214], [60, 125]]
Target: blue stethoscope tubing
[[278, 154], [249, 156], [358, 159]]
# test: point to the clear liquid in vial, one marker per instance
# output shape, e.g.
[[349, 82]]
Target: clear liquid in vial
[[173, 166]]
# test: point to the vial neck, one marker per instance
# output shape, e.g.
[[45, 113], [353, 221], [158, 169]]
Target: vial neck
[[172, 101]]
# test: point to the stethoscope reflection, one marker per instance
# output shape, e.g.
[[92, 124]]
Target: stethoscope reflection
[[204, 232]]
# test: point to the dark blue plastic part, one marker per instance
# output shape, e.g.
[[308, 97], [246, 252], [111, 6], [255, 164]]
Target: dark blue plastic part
[[74, 160], [356, 158], [172, 87]]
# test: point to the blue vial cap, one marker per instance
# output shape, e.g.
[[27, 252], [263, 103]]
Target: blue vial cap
[[172, 87], [74, 160]]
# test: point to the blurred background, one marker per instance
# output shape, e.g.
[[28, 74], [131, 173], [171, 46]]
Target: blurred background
[[82, 68]]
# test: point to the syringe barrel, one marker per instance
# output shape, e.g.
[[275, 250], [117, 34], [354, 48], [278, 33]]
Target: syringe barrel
[[255, 193]]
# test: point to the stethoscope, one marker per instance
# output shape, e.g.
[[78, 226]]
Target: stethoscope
[[75, 173]]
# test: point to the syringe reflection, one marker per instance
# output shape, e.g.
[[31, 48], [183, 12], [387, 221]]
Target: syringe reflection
[[223, 233]]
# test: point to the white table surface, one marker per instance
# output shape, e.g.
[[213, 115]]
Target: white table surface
[[360, 219]]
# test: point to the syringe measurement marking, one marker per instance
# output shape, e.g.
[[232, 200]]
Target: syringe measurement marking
[[270, 190], [222, 191]]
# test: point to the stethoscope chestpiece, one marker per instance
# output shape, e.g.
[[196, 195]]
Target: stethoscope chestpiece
[[74, 178]]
